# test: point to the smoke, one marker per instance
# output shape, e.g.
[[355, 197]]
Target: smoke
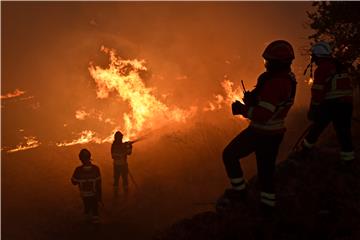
[[188, 48]]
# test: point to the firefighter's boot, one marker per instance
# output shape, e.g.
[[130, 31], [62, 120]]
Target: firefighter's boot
[[301, 153], [230, 198]]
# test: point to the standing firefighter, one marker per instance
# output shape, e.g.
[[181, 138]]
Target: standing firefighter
[[331, 101], [266, 106], [88, 177], [119, 152]]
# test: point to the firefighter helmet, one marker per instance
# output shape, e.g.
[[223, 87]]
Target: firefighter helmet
[[321, 49], [118, 135], [279, 50], [84, 154]]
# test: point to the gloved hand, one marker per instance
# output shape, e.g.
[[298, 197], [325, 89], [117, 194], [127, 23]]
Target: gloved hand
[[313, 113], [237, 108], [250, 98], [128, 148]]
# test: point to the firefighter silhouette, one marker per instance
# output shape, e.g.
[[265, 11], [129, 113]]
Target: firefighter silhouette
[[266, 106], [119, 152], [331, 101], [88, 178]]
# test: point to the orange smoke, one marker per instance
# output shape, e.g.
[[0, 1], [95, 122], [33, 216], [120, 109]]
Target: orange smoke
[[94, 114], [81, 114], [146, 110]]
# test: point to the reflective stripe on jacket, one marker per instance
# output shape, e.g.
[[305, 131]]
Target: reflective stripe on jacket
[[275, 93], [119, 152], [330, 84], [89, 180]]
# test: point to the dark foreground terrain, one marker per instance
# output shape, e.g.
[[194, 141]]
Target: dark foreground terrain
[[179, 176], [318, 198]]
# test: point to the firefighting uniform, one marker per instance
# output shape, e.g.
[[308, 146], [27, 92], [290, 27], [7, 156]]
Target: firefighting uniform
[[88, 178], [275, 94], [119, 152], [331, 101]]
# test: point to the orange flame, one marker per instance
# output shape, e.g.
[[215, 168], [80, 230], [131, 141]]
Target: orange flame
[[16, 93], [231, 94], [86, 136], [31, 142], [310, 81], [123, 77]]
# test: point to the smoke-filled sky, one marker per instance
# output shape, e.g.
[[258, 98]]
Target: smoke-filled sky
[[48, 94]]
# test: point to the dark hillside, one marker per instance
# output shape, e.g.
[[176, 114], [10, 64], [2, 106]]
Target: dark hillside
[[317, 199], [179, 175]]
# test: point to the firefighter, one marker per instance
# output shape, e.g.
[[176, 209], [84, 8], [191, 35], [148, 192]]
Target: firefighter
[[88, 177], [331, 101], [266, 106], [119, 152]]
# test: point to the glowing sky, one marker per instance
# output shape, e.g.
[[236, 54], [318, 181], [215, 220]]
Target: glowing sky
[[188, 48]]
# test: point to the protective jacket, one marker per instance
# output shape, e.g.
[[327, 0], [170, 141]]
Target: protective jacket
[[274, 95], [330, 82], [88, 178], [119, 152]]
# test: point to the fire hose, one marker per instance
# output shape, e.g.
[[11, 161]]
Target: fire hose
[[296, 145], [131, 176], [133, 180]]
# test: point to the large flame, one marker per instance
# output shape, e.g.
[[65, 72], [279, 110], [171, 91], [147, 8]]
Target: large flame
[[146, 111]]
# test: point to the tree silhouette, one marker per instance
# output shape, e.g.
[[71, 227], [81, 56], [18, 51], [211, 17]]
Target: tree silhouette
[[339, 24]]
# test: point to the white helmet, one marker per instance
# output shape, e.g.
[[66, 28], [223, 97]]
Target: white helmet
[[321, 49]]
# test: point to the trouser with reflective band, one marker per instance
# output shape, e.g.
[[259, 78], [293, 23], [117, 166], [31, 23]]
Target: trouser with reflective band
[[91, 206], [238, 183], [265, 146], [268, 199], [340, 114], [123, 171]]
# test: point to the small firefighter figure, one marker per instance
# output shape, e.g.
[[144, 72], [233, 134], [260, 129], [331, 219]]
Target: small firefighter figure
[[266, 106], [119, 152], [331, 101], [88, 177]]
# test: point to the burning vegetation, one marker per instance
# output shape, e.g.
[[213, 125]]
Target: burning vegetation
[[147, 112]]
